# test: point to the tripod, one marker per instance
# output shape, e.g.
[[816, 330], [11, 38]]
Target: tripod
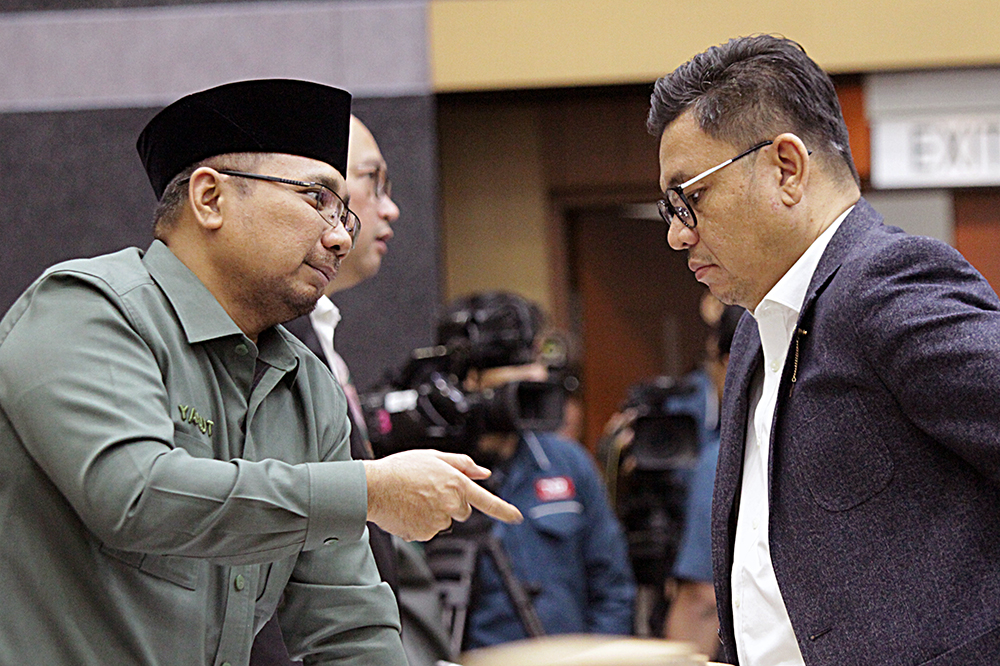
[[452, 559]]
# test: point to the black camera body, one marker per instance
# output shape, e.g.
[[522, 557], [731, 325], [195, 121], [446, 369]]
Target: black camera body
[[664, 439], [425, 405], [649, 475], [435, 412]]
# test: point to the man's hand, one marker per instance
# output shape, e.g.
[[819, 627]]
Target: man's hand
[[416, 494]]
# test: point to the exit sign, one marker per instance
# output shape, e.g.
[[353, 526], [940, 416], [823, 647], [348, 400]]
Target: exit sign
[[952, 150]]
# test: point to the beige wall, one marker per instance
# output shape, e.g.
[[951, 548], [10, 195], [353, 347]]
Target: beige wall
[[504, 44], [513, 164], [494, 199]]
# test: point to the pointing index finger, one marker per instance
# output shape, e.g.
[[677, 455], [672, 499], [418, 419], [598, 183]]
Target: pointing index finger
[[492, 505]]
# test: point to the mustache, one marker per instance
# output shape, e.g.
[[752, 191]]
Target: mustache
[[329, 265]]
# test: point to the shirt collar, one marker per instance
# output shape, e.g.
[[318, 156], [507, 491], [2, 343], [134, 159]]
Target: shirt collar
[[326, 314], [327, 311], [201, 316], [324, 318], [790, 290], [779, 310], [274, 350]]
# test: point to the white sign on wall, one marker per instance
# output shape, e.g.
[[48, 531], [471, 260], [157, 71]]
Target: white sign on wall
[[950, 150]]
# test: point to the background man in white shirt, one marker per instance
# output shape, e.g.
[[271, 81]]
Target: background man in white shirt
[[854, 513]]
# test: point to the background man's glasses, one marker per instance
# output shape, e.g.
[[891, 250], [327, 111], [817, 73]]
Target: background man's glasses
[[676, 205], [381, 185], [329, 205]]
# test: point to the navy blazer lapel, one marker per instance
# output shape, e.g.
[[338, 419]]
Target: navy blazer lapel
[[854, 226], [745, 357]]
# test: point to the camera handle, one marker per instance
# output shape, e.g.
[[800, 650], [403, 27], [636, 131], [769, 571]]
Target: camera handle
[[452, 559]]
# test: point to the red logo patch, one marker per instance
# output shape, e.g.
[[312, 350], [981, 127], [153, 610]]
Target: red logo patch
[[384, 422], [555, 488]]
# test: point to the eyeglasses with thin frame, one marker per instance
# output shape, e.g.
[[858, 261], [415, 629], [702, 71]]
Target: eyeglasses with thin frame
[[675, 203], [381, 185], [329, 205]]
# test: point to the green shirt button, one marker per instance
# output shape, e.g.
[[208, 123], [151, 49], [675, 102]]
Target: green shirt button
[[241, 350], [240, 582], [226, 663]]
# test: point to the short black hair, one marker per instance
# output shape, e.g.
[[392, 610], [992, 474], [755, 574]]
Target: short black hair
[[751, 89], [175, 194]]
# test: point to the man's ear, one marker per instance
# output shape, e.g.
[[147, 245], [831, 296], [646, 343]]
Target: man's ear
[[205, 196], [792, 159]]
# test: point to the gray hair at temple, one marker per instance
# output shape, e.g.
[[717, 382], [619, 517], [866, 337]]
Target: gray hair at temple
[[752, 89], [175, 194]]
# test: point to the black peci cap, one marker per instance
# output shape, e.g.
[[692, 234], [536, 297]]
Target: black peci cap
[[264, 115]]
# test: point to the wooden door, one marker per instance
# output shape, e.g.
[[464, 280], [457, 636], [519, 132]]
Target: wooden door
[[636, 308]]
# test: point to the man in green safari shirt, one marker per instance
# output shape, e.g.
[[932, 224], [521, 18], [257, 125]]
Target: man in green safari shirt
[[175, 462]]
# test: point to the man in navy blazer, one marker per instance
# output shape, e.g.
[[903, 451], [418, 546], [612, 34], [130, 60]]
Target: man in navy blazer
[[856, 514]]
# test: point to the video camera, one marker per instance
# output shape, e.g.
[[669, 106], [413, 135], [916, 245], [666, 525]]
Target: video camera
[[648, 474], [425, 404]]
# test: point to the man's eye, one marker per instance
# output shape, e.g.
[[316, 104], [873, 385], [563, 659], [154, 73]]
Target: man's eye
[[320, 197], [695, 197]]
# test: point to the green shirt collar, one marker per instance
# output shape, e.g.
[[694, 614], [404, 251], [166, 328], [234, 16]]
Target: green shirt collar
[[201, 315]]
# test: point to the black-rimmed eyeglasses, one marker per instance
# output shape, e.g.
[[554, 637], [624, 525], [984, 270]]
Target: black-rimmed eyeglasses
[[675, 203], [328, 203]]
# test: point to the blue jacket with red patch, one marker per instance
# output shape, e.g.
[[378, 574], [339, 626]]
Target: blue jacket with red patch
[[569, 553]]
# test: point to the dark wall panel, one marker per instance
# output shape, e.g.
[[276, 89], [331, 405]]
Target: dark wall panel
[[392, 313], [71, 185]]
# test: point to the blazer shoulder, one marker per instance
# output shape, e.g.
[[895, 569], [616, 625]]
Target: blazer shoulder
[[887, 254]]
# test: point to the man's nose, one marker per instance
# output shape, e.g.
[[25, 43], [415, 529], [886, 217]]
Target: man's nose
[[337, 239], [680, 237], [388, 210]]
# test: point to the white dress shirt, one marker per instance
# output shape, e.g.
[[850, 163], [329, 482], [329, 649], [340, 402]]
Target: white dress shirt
[[764, 635], [325, 317]]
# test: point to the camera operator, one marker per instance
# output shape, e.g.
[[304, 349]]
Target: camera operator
[[659, 454], [569, 554]]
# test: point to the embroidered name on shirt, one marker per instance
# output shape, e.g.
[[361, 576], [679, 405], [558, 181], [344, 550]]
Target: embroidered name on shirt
[[191, 415], [555, 488]]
